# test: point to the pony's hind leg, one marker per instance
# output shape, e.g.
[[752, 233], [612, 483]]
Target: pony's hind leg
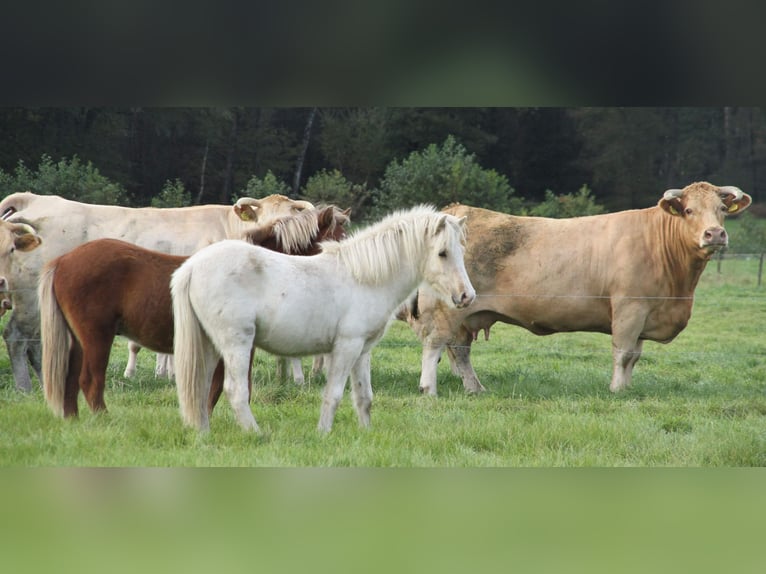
[[361, 389], [236, 385], [93, 373], [72, 384]]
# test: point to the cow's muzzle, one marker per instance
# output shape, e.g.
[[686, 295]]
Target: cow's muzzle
[[715, 237]]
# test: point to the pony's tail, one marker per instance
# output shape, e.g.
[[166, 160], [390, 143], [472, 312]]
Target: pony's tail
[[190, 344], [56, 342]]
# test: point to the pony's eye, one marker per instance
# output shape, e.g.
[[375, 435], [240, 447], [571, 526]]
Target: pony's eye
[[443, 253]]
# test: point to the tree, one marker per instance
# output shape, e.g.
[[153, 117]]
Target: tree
[[441, 175]]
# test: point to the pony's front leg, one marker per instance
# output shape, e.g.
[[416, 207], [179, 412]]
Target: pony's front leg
[[361, 389], [339, 364]]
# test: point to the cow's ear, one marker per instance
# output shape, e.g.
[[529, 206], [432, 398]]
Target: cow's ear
[[671, 202], [27, 242], [735, 200]]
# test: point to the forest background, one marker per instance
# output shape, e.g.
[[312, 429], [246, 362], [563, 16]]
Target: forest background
[[620, 157]]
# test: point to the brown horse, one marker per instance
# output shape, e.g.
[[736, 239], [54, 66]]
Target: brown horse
[[108, 287]]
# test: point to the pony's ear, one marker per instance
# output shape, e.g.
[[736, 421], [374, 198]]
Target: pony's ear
[[441, 223]]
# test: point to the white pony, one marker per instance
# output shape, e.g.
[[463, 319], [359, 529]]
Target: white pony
[[232, 296]]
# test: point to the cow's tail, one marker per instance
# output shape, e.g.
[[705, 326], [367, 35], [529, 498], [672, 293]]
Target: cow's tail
[[56, 342], [190, 349]]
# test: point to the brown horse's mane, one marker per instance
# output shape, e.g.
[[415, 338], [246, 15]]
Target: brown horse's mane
[[299, 234]]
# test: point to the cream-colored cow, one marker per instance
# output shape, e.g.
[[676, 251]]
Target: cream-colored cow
[[64, 224]]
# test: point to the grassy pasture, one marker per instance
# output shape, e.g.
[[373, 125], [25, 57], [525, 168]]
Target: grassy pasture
[[698, 402]]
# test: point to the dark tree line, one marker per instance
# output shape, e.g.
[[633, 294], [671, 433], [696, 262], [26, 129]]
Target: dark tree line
[[626, 156]]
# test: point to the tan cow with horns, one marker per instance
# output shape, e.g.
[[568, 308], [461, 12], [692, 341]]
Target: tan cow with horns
[[631, 274]]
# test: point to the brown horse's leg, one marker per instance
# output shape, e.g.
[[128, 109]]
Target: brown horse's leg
[[93, 375], [72, 386], [216, 387]]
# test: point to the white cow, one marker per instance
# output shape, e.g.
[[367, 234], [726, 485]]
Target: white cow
[[64, 224], [15, 238]]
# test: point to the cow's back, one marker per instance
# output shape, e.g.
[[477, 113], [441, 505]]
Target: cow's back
[[552, 275]]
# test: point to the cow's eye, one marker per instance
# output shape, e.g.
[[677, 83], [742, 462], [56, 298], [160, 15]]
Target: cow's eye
[[688, 211]]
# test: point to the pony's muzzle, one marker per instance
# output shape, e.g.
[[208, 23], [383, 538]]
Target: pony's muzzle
[[465, 299]]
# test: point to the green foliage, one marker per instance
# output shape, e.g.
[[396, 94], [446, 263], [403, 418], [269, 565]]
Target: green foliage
[[747, 234], [173, 194], [331, 187], [567, 204], [442, 175], [267, 185], [70, 179]]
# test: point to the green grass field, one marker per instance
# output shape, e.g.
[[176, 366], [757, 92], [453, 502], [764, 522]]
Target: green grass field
[[698, 402]]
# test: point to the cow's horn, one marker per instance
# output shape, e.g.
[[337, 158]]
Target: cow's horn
[[672, 194], [300, 203], [22, 228], [730, 189], [248, 201]]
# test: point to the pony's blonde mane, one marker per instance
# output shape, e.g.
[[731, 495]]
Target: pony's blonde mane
[[377, 252]]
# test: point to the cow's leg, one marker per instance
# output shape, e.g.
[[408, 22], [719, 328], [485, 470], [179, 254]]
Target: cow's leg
[[281, 372], [626, 346], [624, 359], [72, 383], [130, 368], [297, 366], [459, 352], [35, 357], [317, 364], [17, 343], [163, 366], [361, 389]]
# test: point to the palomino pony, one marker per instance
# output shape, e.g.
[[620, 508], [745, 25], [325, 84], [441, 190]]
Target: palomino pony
[[231, 297], [108, 287]]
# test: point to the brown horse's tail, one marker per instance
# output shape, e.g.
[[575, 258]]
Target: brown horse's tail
[[192, 351], [56, 342]]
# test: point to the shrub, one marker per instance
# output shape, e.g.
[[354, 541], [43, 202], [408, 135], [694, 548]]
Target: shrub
[[748, 235], [68, 178], [173, 194], [261, 187], [333, 188], [567, 205], [441, 175]]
